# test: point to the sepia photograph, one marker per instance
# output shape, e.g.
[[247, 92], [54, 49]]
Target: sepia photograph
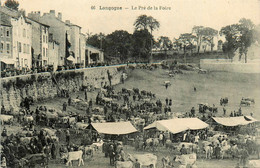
[[130, 83]]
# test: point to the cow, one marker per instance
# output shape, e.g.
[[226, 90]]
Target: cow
[[208, 149], [225, 150], [76, 155], [245, 103], [87, 150], [6, 119], [185, 160], [147, 159], [202, 71], [190, 146], [254, 163], [248, 99], [125, 164]]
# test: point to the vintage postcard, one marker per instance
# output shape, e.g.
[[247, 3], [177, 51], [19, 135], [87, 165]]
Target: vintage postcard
[[130, 83]]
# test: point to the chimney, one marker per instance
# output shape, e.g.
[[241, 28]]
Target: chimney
[[34, 15], [67, 22], [60, 16], [52, 12]]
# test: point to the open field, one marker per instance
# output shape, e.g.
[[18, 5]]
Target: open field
[[210, 88]]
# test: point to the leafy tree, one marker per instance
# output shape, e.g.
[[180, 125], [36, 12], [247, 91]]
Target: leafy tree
[[238, 36], [198, 30], [231, 33], [204, 34], [164, 43], [119, 43], [144, 22], [141, 43], [94, 40], [246, 27], [186, 41], [13, 4]]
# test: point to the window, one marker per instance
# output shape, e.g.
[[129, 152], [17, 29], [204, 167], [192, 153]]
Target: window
[[20, 47], [43, 54], [7, 33], [1, 32], [25, 62], [46, 52], [24, 48], [61, 58], [1, 47], [8, 48], [46, 39], [43, 38], [24, 33], [28, 49]]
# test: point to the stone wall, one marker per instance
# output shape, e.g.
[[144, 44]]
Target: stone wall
[[43, 86]]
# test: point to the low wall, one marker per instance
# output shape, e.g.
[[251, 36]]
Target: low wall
[[228, 66], [43, 86]]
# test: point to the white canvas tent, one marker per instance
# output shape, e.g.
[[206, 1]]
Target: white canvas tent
[[114, 128], [178, 125], [234, 121]]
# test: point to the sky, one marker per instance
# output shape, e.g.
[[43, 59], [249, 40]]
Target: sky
[[180, 18]]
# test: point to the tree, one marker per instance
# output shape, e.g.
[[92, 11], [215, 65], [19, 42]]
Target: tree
[[186, 41], [94, 40], [164, 43], [144, 22], [204, 34], [246, 28], [231, 33], [13, 4], [198, 30], [208, 36], [141, 43], [238, 36], [119, 43]]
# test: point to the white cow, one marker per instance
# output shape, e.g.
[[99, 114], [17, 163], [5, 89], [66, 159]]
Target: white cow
[[254, 164], [76, 155], [6, 118], [147, 159], [185, 160], [125, 164]]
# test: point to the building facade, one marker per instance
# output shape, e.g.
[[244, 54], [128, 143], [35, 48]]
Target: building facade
[[22, 42], [57, 30], [93, 55], [6, 55], [40, 44]]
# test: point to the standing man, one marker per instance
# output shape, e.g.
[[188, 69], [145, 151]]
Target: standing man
[[224, 110], [244, 156], [64, 106], [86, 94], [166, 101], [68, 136]]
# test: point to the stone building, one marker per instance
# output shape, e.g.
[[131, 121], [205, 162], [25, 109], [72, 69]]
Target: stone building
[[22, 42], [40, 45], [6, 55], [58, 31], [93, 55], [82, 49], [53, 53], [21, 37]]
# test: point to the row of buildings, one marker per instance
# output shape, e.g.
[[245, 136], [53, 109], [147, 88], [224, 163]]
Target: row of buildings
[[40, 40]]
